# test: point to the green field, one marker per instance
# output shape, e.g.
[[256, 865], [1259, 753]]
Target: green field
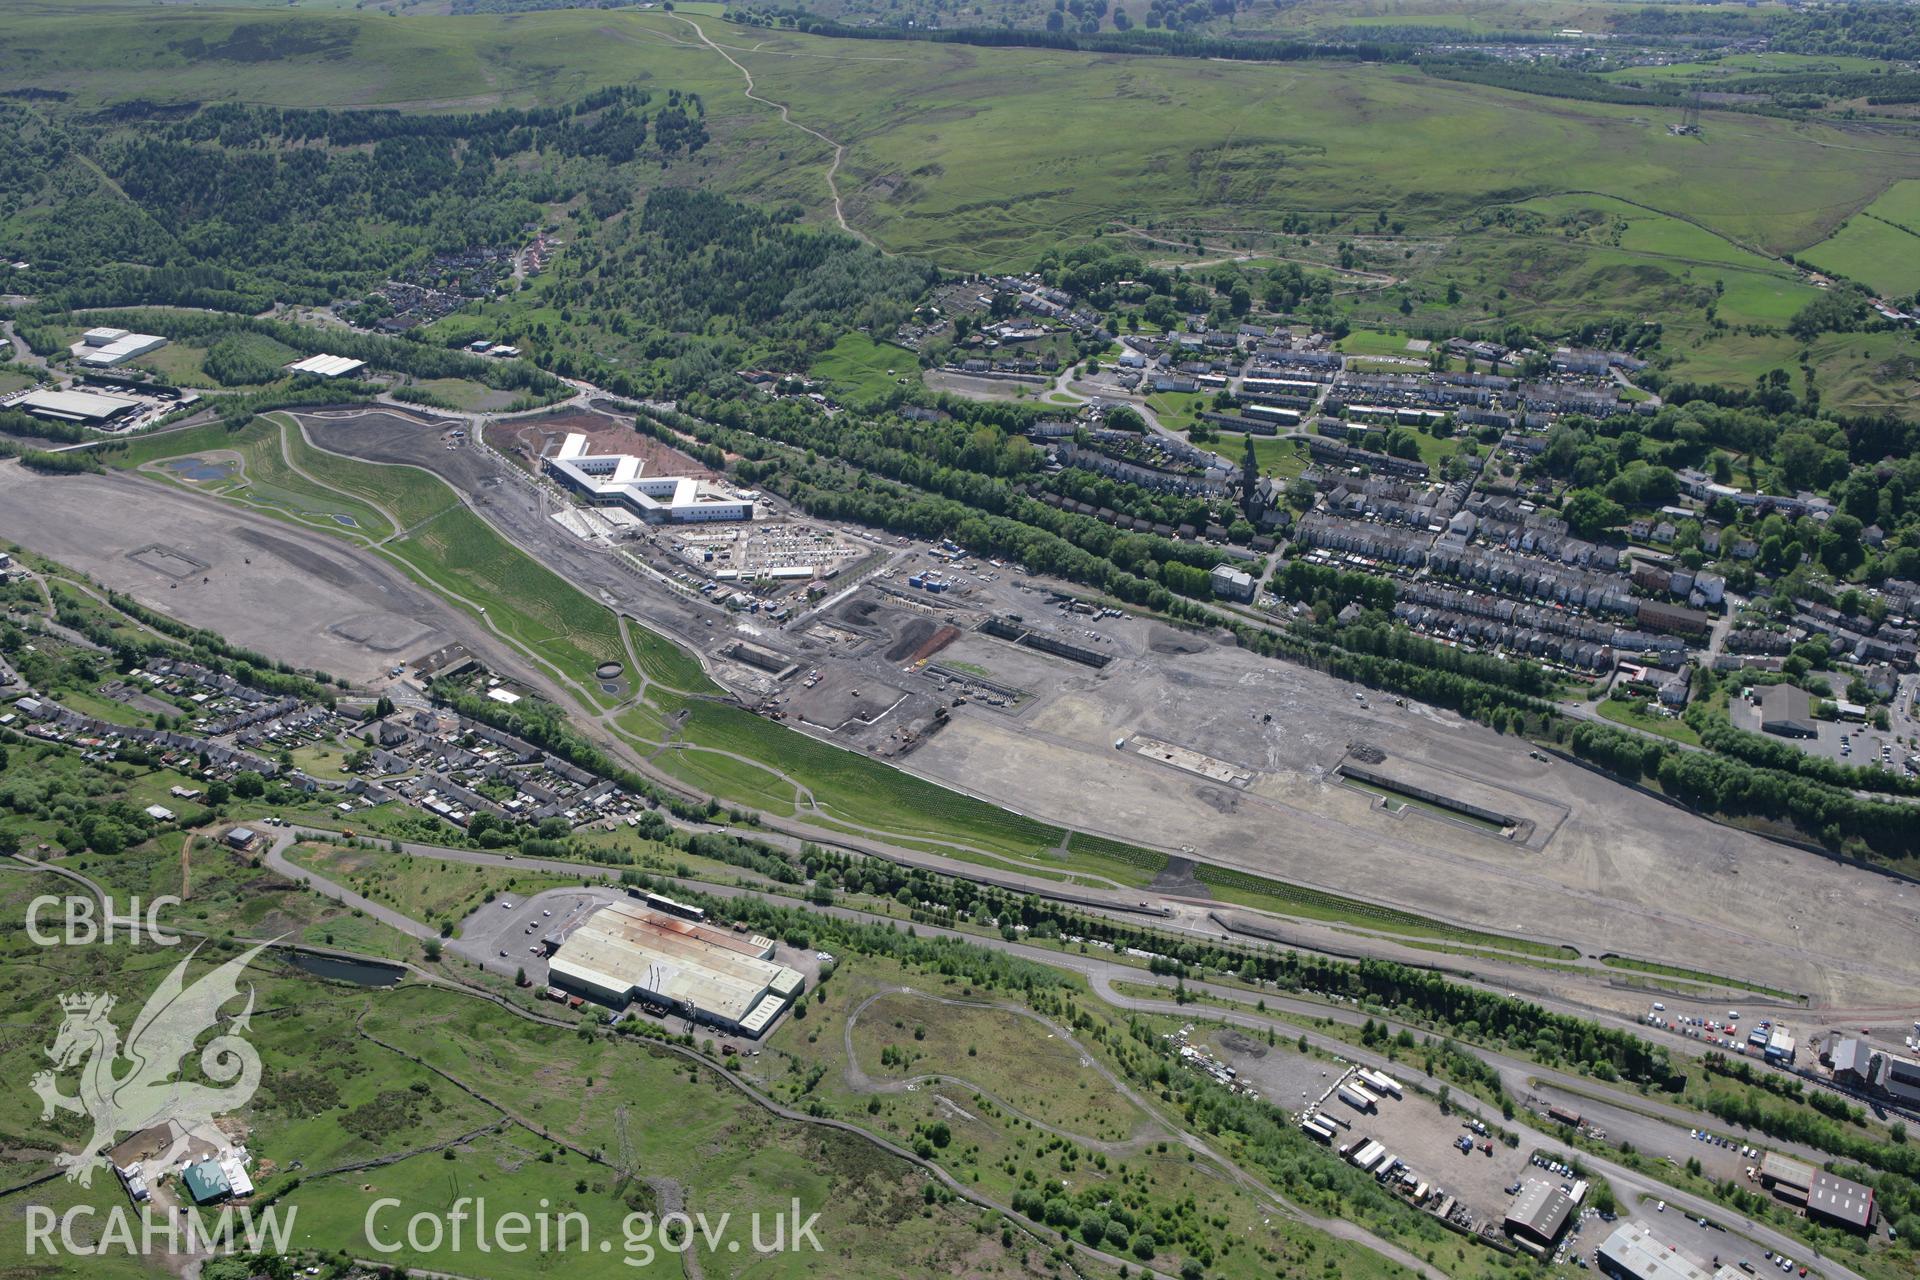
[[1879, 246], [679, 1125], [1858, 373], [1274, 456], [228, 892], [281, 472], [470, 562], [1746, 66], [1484, 16], [722, 775], [1220, 141], [1179, 410], [666, 663], [409, 495], [1636, 715], [861, 369], [860, 793], [1374, 342], [267, 478], [178, 363], [464, 393], [1596, 250]]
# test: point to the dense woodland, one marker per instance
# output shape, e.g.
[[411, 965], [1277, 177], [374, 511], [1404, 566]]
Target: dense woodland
[[1876, 29], [237, 207], [1868, 467], [684, 290]]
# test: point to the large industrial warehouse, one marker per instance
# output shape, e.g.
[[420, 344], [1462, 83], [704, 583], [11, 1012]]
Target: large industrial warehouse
[[1631, 1253], [89, 408], [625, 952], [107, 348]]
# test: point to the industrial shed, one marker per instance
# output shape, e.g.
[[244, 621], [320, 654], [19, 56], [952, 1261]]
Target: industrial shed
[[1840, 1203], [1539, 1213], [207, 1182], [1787, 711], [108, 348], [326, 366]]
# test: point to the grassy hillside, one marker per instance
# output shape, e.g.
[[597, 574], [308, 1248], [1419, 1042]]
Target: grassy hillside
[[976, 156], [983, 157], [1879, 246]]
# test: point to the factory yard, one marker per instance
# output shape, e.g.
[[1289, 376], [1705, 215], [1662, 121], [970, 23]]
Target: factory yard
[[1427, 1139], [518, 934], [1412, 1128], [1844, 742], [1711, 1245]]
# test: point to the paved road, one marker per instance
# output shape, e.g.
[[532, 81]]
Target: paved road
[[276, 858], [1518, 1075], [286, 837], [764, 1101], [1630, 1112], [23, 356]]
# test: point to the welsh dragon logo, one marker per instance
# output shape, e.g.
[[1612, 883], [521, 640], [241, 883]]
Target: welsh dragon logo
[[145, 1094]]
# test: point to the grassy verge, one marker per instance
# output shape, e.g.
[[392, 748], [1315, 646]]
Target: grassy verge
[[1637, 715], [1248, 890], [1695, 975], [430, 890]]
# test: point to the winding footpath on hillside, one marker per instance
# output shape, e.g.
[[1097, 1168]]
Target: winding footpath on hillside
[[786, 117], [1041, 1236], [277, 860], [1518, 1076], [1272, 1201]]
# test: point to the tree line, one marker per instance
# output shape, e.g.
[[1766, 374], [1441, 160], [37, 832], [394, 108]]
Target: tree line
[[1869, 829]]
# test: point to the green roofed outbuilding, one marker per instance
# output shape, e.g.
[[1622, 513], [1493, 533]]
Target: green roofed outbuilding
[[206, 1182]]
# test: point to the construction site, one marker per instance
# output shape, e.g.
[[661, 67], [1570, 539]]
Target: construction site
[[1013, 688]]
